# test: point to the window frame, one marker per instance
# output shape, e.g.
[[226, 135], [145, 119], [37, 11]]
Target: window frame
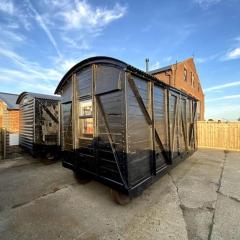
[[82, 117]]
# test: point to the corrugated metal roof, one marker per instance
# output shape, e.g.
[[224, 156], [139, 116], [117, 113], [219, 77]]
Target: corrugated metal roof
[[104, 59], [160, 69], [44, 96], [38, 95], [101, 59], [10, 100]]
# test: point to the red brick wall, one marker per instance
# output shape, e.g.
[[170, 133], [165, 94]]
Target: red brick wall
[[164, 76], [1, 114], [9, 119], [177, 80], [13, 116]]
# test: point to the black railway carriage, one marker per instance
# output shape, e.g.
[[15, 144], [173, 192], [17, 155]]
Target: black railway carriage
[[39, 123], [123, 126]]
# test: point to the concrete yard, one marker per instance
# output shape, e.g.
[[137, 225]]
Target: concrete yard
[[198, 199]]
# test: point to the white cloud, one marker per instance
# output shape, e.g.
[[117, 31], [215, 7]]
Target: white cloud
[[11, 36], [200, 60], [42, 24], [77, 33], [223, 111], [24, 81], [237, 39], [77, 43], [29, 69], [167, 59], [76, 23], [82, 15], [237, 96], [67, 64], [207, 3], [233, 54], [208, 58], [154, 66], [226, 85], [164, 62], [7, 6]]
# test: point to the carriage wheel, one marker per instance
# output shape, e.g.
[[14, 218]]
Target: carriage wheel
[[120, 198], [81, 178], [50, 156]]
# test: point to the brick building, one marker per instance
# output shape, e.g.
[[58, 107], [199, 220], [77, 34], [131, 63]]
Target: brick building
[[9, 112], [183, 75]]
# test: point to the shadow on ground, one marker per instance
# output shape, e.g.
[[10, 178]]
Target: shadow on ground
[[199, 199]]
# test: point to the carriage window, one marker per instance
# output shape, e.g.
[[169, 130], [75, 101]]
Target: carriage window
[[85, 119]]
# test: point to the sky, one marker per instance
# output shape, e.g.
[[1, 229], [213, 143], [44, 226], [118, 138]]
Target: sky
[[41, 40]]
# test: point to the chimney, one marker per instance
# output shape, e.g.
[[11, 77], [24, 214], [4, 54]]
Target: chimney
[[146, 63]]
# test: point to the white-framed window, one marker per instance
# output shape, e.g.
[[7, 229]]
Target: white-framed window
[[85, 119]]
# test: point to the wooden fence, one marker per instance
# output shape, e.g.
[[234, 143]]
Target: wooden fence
[[9, 144], [2, 143], [221, 135]]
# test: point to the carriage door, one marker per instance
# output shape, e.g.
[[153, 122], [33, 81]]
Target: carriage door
[[83, 129]]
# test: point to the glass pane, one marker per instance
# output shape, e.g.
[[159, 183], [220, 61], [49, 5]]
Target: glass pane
[[85, 108], [85, 119], [86, 127]]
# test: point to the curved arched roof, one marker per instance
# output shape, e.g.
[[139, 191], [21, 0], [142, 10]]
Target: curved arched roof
[[114, 61], [88, 61], [37, 95]]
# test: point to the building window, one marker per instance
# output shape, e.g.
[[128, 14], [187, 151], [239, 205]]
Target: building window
[[85, 119], [198, 87], [185, 74], [192, 80]]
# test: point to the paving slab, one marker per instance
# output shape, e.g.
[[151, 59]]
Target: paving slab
[[21, 183], [198, 223], [197, 200], [227, 219], [230, 184], [88, 212], [197, 180]]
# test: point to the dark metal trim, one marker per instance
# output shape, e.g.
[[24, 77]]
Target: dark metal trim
[[47, 111]]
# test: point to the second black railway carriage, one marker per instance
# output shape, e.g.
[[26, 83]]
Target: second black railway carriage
[[123, 126], [39, 123]]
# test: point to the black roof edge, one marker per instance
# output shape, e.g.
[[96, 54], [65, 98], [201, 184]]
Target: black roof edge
[[85, 62], [38, 96], [141, 73], [9, 93], [128, 67]]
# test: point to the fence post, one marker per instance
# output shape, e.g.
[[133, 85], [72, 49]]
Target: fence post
[[4, 143]]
